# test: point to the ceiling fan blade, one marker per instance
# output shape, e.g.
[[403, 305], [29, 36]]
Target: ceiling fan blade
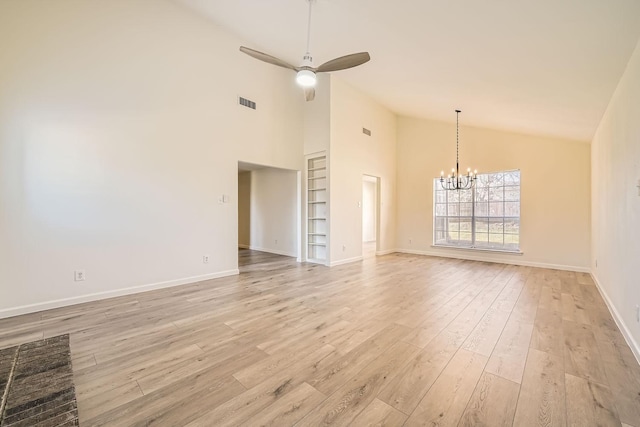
[[309, 93], [344, 62], [267, 58]]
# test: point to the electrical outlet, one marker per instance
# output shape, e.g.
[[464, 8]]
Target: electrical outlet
[[410, 241], [596, 263], [205, 259], [637, 313], [344, 248], [276, 241], [79, 275]]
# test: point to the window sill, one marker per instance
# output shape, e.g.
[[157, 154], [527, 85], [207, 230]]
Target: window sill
[[502, 251]]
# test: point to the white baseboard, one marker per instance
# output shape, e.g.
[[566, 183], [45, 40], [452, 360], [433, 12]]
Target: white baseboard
[[48, 305], [273, 251], [345, 261], [626, 333], [480, 257], [386, 252]]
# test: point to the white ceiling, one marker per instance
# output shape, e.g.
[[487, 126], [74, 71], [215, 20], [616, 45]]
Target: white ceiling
[[535, 66]]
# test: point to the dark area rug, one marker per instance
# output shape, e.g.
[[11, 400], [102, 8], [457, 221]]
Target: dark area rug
[[36, 384]]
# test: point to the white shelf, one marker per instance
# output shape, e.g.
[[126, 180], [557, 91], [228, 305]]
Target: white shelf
[[316, 251]]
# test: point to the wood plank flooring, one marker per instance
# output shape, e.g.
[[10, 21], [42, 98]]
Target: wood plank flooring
[[393, 340]]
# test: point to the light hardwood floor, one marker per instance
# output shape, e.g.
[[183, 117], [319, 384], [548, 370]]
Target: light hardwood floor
[[394, 340]]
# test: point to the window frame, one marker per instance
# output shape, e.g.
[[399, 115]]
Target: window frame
[[468, 224]]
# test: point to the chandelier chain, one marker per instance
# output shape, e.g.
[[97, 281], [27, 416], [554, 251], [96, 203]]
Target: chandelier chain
[[457, 134]]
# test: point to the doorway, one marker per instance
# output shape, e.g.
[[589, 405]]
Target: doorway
[[268, 215], [370, 215]]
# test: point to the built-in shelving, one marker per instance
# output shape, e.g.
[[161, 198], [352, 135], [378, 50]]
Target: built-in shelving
[[317, 227]]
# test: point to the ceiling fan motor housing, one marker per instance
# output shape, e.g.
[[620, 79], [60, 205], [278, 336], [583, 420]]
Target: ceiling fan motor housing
[[307, 61]]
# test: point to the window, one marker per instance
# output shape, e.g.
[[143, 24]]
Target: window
[[485, 217]]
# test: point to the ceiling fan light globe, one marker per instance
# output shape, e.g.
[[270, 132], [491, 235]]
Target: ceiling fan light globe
[[306, 78]]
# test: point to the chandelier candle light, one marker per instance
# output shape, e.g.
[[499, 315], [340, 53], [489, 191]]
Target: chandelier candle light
[[455, 181]]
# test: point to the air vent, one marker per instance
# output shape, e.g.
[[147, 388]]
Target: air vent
[[366, 131], [247, 103]]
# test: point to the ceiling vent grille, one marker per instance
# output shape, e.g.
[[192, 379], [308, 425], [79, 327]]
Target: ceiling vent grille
[[366, 131], [246, 103]]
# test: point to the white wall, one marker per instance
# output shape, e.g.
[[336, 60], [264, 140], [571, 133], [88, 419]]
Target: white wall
[[369, 190], [274, 211], [244, 209], [353, 154], [119, 130], [615, 160], [317, 120], [555, 195]]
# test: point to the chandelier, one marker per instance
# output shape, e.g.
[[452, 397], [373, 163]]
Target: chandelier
[[455, 181]]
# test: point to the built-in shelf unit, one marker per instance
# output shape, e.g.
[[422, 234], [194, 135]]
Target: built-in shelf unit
[[317, 227]]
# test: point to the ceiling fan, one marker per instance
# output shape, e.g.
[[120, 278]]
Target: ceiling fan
[[306, 73]]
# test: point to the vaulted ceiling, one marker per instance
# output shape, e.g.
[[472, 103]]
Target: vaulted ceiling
[[544, 67]]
